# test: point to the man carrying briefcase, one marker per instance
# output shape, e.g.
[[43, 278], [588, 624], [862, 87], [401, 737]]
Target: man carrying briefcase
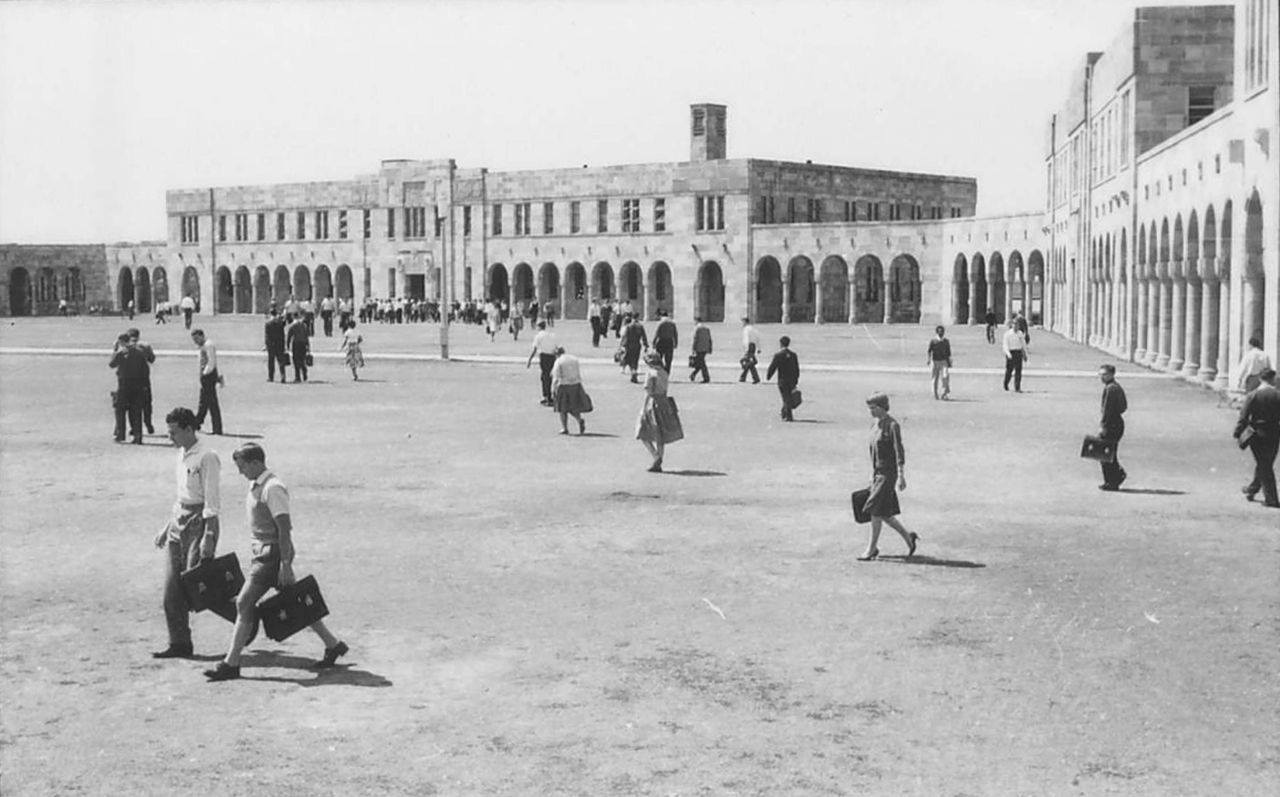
[[272, 566], [1114, 405]]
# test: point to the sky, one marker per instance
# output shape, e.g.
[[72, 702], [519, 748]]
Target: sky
[[105, 106]]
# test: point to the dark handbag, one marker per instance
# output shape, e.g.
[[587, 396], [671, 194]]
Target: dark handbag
[[284, 359], [1245, 437], [292, 609], [794, 399], [693, 361], [1099, 449], [618, 355], [310, 360], [213, 584], [859, 500]]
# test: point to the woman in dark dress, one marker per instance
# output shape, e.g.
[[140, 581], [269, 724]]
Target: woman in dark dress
[[888, 463]]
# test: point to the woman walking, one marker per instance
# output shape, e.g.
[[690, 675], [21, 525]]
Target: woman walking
[[659, 422], [569, 396], [888, 463], [351, 341]]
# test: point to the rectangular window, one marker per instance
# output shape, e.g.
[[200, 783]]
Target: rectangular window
[[659, 215], [222, 228], [322, 225], [710, 212], [631, 215], [242, 226], [190, 229], [699, 122], [719, 213], [813, 210], [602, 215], [699, 210], [791, 210], [1124, 130], [575, 217], [439, 220], [366, 223], [342, 224], [415, 222], [391, 223], [302, 226], [497, 219], [262, 226], [280, 227], [466, 220], [528, 219], [517, 222], [1199, 103], [548, 218]]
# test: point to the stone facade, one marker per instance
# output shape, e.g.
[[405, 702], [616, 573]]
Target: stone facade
[[35, 278]]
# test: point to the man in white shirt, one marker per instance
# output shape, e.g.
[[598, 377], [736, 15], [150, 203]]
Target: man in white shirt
[[1252, 364], [191, 534], [750, 345], [209, 381], [1015, 353], [188, 306], [544, 345], [326, 315]]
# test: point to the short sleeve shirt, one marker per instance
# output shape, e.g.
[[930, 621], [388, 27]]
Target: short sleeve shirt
[[198, 471]]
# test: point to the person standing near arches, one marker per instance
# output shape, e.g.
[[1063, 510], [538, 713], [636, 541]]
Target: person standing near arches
[[1261, 415], [751, 346], [1252, 364], [597, 329], [187, 306], [701, 348], [273, 339], [298, 339], [1015, 354]]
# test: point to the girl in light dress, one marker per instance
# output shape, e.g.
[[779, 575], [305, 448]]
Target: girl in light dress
[[351, 341]]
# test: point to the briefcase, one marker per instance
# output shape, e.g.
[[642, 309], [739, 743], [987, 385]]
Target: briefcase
[[213, 583], [292, 609], [284, 360], [1245, 437], [1099, 449], [795, 398], [859, 501]]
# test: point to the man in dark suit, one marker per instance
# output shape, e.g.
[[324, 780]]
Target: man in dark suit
[[665, 339], [274, 340], [701, 348], [1261, 415], [1114, 405], [150, 356], [132, 375], [787, 366]]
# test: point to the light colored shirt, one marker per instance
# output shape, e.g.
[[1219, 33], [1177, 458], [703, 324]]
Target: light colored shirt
[[567, 370], [198, 471], [544, 342], [749, 336], [208, 358], [1254, 362], [268, 499], [187, 303], [1013, 341]]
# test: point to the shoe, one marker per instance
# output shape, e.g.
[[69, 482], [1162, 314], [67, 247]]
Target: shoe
[[331, 656], [911, 544], [582, 426], [1110, 488], [118, 439], [656, 467], [1123, 475], [563, 431], [174, 652], [151, 430], [223, 672], [1248, 493], [1272, 505], [137, 441], [870, 555]]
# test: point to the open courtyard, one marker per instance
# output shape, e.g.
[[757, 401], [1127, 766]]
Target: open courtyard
[[536, 614]]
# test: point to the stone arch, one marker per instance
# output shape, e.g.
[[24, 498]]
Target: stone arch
[[833, 287], [709, 292], [522, 290], [497, 286], [868, 290], [344, 289], [1123, 274], [549, 285], [1253, 301], [302, 283], [224, 291], [1191, 265], [661, 296], [243, 291], [800, 287], [1177, 248], [1035, 274], [1142, 252], [1017, 282], [1209, 244], [768, 290], [904, 290], [1162, 264], [575, 278], [960, 290], [631, 286], [995, 286], [191, 285], [1224, 242], [159, 285], [124, 287], [19, 292], [324, 282], [602, 288], [283, 285], [142, 288], [977, 289], [261, 290]]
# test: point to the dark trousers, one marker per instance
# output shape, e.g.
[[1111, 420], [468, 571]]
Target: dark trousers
[[327, 317], [275, 358], [667, 351], [186, 314], [1013, 368], [597, 329], [750, 367], [991, 333], [1264, 471], [299, 364], [209, 402], [700, 366], [129, 404], [182, 555], [1112, 473], [784, 389], [545, 361]]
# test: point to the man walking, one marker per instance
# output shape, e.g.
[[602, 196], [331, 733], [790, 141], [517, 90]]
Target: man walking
[[750, 345], [544, 345], [209, 381], [131, 377], [192, 531], [271, 525], [939, 356], [665, 339], [326, 315], [1261, 415], [594, 316], [1015, 353], [273, 339], [701, 348], [150, 356], [1111, 429], [787, 366], [187, 306], [990, 320], [298, 340]]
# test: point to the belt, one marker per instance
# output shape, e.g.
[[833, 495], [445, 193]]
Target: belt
[[191, 507]]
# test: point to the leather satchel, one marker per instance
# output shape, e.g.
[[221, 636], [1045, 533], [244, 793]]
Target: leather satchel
[[292, 609], [213, 584], [859, 500], [1245, 437], [1099, 449]]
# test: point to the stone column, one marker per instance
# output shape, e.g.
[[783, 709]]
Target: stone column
[[1165, 322], [1153, 320], [1008, 301], [1223, 378], [786, 301], [1177, 323], [1191, 356], [975, 312], [1208, 331], [1140, 331], [817, 300], [852, 294], [888, 304]]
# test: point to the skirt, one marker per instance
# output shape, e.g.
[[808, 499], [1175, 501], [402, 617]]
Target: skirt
[[355, 357], [659, 422], [572, 399], [883, 501]]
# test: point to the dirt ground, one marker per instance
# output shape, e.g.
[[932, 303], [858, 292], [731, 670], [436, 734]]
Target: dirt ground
[[531, 614]]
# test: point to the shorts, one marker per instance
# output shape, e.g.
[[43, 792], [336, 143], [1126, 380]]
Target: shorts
[[264, 568]]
